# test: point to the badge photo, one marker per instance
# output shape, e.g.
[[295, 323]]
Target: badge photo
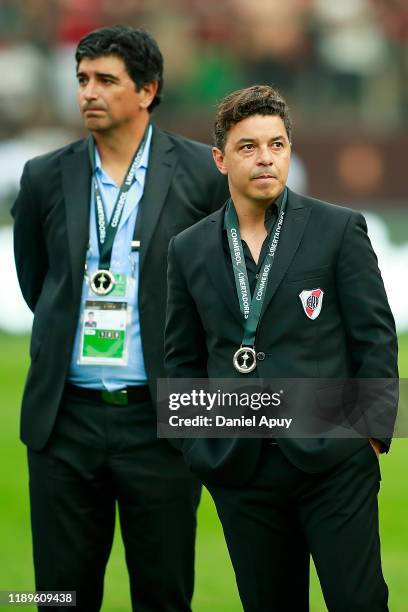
[[312, 300]]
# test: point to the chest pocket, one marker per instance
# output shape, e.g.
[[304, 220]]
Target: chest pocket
[[307, 274]]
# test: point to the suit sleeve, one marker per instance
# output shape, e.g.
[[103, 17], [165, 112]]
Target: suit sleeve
[[185, 345], [369, 326], [29, 244]]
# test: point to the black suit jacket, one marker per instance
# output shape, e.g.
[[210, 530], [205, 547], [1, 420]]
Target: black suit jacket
[[51, 237], [321, 246]]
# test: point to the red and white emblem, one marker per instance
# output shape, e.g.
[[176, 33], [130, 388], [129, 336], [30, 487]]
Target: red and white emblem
[[312, 302]]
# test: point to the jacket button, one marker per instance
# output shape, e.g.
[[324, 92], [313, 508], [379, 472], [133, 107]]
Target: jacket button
[[260, 356]]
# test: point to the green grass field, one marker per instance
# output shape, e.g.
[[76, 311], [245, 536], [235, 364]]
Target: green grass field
[[215, 586]]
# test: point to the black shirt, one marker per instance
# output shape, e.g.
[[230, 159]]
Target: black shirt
[[253, 269]]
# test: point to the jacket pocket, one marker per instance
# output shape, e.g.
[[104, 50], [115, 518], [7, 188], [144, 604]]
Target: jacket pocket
[[307, 274]]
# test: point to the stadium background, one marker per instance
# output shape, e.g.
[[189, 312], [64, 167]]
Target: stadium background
[[343, 67]]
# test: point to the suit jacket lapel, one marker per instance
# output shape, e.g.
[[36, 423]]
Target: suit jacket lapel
[[217, 263], [162, 163], [76, 188], [293, 228]]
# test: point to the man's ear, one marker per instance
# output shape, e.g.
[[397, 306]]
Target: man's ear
[[149, 91], [218, 156]]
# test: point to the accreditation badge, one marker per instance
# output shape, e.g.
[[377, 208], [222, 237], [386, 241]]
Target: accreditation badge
[[105, 333]]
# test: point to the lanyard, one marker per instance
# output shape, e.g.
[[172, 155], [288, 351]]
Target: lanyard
[[251, 307], [106, 231]]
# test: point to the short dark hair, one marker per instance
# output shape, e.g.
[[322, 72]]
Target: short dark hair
[[136, 47], [241, 104]]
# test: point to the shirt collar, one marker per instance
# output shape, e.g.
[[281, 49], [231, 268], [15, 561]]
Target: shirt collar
[[144, 161], [270, 212], [276, 204]]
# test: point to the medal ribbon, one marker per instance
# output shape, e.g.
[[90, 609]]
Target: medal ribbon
[[107, 231], [251, 306]]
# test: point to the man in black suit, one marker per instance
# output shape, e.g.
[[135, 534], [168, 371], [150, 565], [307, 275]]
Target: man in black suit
[[92, 225], [318, 311]]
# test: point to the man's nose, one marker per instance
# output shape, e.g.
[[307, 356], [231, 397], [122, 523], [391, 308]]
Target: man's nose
[[265, 157], [89, 92]]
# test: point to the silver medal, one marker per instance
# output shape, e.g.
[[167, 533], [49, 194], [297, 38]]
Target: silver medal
[[245, 360], [102, 282]]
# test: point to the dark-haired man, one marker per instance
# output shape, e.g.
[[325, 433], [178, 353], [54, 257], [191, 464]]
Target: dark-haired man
[[319, 310], [92, 224]]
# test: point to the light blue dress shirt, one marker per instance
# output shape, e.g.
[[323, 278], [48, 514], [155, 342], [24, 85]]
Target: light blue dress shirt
[[106, 377]]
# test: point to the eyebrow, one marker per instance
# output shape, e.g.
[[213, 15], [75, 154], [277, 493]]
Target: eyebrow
[[274, 139], [105, 75]]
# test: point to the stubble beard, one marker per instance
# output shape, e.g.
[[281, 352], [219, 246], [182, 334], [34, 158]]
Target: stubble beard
[[99, 126]]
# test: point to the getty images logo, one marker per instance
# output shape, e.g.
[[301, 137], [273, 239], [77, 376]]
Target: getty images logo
[[218, 399]]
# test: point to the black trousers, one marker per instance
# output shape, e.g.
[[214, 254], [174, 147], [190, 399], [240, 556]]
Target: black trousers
[[283, 515], [101, 455]]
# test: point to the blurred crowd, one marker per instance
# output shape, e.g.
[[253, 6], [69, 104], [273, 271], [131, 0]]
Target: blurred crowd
[[342, 65], [335, 61]]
